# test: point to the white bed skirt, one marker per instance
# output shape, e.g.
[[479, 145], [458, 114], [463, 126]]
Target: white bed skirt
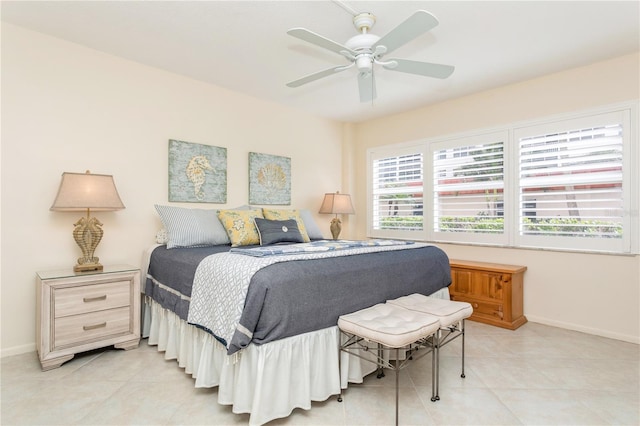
[[303, 368]]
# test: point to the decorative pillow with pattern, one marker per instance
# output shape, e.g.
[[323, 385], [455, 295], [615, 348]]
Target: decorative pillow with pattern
[[191, 227], [286, 214], [240, 226], [278, 231], [162, 236]]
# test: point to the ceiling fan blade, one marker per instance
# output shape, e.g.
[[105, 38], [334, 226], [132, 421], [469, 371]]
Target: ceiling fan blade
[[316, 76], [426, 69], [318, 40], [367, 87], [418, 23]]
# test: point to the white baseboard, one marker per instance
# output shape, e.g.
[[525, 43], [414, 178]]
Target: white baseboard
[[583, 329], [17, 350]]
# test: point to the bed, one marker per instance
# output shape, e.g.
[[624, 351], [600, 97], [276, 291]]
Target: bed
[[282, 333]]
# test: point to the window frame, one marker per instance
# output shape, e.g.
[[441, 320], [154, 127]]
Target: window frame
[[387, 152], [511, 238], [500, 239]]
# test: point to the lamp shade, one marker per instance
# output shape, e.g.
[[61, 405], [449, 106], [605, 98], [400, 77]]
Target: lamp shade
[[82, 191], [336, 203]]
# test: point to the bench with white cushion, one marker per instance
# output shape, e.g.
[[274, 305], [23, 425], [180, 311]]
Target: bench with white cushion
[[389, 326], [451, 316]]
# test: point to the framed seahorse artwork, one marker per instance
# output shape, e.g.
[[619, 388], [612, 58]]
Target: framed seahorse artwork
[[197, 173], [269, 179]]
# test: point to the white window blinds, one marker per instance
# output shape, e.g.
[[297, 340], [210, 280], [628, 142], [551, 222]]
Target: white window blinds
[[468, 188], [397, 202], [567, 182], [571, 183]]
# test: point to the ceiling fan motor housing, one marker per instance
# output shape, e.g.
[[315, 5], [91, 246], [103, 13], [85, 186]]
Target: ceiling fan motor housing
[[361, 44], [362, 41]]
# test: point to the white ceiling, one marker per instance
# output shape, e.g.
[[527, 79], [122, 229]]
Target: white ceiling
[[243, 45]]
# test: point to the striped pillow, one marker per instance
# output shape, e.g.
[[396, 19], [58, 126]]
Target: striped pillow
[[192, 227]]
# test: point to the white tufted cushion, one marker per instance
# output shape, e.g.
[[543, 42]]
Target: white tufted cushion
[[391, 325], [448, 311]]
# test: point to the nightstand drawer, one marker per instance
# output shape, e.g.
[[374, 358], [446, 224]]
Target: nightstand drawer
[[487, 308], [92, 326], [98, 297]]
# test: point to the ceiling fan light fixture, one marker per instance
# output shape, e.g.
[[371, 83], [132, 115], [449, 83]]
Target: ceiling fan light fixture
[[364, 63]]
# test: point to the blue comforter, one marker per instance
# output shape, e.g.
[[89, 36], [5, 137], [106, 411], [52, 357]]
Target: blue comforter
[[299, 296]]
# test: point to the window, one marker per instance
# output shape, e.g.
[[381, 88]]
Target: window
[[468, 187], [569, 183], [396, 192]]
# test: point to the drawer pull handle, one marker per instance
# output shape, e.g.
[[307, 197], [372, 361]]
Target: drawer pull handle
[[93, 327], [94, 299]]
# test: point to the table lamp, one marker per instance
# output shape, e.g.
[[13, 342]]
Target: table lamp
[[336, 203], [86, 192]]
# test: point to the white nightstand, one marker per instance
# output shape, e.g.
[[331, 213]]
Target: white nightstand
[[77, 312]]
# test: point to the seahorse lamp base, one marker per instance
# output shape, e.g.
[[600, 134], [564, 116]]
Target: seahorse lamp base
[[88, 233], [335, 227]]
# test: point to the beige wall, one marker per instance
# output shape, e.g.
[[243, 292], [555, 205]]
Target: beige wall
[[598, 294], [68, 108]]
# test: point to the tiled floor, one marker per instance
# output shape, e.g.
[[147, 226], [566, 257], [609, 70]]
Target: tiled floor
[[536, 375]]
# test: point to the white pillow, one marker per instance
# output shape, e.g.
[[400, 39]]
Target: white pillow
[[313, 231], [192, 227]]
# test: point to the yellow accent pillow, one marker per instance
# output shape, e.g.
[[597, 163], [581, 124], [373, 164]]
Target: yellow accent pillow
[[240, 226], [286, 214]]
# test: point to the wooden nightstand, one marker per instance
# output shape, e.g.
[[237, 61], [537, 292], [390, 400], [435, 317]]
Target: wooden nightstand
[[494, 290], [77, 312]]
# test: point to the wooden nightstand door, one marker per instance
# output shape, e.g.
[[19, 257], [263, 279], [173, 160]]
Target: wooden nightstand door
[[495, 291]]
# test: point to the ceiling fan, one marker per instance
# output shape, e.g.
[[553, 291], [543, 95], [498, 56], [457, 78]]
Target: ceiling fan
[[366, 50]]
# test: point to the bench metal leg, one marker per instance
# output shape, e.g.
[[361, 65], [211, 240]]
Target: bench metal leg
[[340, 366], [435, 367], [380, 357], [397, 381], [462, 331]]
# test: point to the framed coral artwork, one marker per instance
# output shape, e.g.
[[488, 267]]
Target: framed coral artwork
[[197, 173], [269, 179]]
